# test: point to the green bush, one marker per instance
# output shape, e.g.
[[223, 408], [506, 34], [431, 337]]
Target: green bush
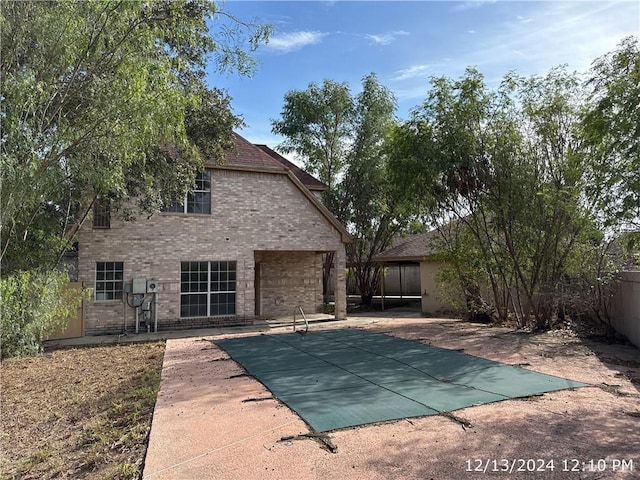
[[34, 305]]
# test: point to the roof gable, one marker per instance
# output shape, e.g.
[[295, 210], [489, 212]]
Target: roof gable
[[246, 156], [307, 179]]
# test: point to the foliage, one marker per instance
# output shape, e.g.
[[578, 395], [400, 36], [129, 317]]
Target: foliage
[[612, 132], [92, 95], [371, 211], [34, 305], [503, 166], [461, 274], [341, 139], [317, 124]]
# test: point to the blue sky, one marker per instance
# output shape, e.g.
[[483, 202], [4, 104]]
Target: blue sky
[[405, 43]]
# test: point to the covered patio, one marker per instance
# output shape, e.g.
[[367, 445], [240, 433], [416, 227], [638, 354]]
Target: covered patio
[[418, 250]]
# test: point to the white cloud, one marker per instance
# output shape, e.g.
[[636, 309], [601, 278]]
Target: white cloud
[[288, 42], [462, 6], [471, 32], [385, 38], [547, 35], [521, 19], [413, 71], [575, 34]]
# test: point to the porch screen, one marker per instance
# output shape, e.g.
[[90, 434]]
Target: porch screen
[[207, 289]]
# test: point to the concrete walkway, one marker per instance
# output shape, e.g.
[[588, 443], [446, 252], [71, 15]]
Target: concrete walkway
[[260, 326]]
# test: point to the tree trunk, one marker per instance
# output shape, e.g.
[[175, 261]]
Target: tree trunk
[[366, 298], [326, 276]]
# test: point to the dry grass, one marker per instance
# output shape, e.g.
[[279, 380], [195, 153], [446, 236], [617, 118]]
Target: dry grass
[[79, 413]]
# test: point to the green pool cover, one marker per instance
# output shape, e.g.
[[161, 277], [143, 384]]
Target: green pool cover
[[341, 378]]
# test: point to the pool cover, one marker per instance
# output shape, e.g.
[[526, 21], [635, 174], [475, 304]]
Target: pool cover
[[341, 378]]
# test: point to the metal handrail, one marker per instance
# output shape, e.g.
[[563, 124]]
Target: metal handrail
[[306, 323]]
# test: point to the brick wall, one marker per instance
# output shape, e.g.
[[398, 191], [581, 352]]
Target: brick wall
[[288, 280], [250, 212]]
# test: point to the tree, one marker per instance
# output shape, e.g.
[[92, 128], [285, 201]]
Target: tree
[[317, 124], [341, 139], [372, 210], [90, 93], [611, 130], [503, 167], [99, 100]]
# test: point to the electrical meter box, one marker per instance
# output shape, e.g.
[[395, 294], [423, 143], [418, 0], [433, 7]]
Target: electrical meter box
[[152, 285], [139, 285]]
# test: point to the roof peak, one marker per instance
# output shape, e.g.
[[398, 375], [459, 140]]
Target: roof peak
[[309, 181]]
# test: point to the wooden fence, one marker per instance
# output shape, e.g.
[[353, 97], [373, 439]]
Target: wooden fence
[[75, 327]]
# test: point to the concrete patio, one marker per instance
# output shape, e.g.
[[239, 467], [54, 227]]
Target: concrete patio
[[213, 421]]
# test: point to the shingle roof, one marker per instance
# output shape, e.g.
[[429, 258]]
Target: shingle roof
[[246, 154], [410, 248], [307, 179]]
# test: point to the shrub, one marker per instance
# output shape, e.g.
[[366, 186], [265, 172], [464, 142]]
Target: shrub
[[34, 305]]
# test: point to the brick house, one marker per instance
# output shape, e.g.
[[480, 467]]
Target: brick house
[[247, 244]]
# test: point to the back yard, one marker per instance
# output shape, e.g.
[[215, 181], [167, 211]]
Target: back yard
[[85, 413], [79, 413]]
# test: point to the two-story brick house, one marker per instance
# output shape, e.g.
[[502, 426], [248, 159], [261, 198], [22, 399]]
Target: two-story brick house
[[247, 244]]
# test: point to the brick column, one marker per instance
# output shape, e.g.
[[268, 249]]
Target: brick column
[[245, 287], [340, 292]]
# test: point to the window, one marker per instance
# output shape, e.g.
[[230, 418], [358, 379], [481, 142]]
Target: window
[[197, 202], [207, 289], [109, 277], [101, 213]]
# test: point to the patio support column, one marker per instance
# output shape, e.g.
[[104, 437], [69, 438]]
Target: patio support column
[[340, 292], [382, 285], [247, 280]]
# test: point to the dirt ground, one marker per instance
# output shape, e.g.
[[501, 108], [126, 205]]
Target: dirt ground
[[80, 413], [204, 428]]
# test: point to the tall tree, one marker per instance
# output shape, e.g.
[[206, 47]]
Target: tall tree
[[611, 129], [317, 124], [505, 166], [90, 92], [372, 211], [341, 139], [99, 100]]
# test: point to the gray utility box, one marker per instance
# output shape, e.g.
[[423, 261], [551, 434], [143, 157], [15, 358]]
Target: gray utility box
[[139, 285]]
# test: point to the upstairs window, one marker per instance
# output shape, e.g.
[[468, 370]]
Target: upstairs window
[[102, 213], [198, 202]]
